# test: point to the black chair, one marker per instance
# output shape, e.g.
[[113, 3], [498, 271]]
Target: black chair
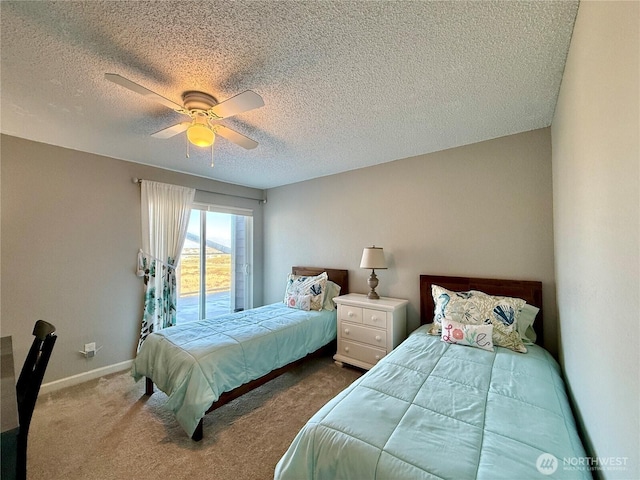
[[28, 386]]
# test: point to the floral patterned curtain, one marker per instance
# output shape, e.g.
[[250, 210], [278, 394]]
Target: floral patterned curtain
[[165, 213]]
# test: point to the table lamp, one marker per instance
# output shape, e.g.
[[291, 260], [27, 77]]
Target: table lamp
[[373, 257]]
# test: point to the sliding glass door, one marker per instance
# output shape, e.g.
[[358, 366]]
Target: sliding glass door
[[214, 275]]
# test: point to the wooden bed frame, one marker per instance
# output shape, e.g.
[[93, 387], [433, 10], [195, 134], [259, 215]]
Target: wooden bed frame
[[338, 276], [529, 291]]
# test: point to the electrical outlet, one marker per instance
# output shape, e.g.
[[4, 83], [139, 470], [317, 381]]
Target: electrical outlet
[[90, 350]]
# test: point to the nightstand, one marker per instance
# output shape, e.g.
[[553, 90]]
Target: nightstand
[[368, 329]]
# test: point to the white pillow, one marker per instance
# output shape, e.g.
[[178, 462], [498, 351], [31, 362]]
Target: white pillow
[[479, 336], [301, 302]]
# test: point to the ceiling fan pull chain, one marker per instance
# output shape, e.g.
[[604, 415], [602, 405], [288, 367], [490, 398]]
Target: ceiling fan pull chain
[[212, 155], [187, 148]]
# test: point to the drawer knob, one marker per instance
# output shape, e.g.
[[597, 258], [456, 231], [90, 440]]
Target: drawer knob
[[346, 330], [377, 357], [346, 349], [374, 318], [378, 338], [350, 314]]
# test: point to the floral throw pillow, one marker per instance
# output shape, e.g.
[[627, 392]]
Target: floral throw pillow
[[301, 302], [480, 336], [453, 305], [303, 285], [477, 308]]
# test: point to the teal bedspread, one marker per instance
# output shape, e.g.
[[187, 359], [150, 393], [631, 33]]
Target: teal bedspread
[[196, 362], [432, 410]]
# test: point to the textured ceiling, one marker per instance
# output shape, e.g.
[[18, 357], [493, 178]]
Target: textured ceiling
[[345, 84]]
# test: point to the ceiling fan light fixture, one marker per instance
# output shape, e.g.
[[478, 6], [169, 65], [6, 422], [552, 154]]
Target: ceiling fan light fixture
[[200, 134]]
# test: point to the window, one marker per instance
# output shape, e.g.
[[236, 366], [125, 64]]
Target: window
[[214, 274]]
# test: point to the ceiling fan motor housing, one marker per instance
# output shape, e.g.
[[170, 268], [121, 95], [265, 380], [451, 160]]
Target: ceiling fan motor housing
[[198, 101]]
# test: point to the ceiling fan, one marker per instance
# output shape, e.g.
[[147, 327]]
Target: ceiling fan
[[203, 109]]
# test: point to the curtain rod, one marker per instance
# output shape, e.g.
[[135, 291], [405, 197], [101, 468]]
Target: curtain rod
[[261, 201]]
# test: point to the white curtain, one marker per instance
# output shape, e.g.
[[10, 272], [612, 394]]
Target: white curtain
[[165, 217]]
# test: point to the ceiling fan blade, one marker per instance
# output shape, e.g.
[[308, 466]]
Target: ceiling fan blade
[[134, 87], [242, 102], [235, 137], [171, 131]]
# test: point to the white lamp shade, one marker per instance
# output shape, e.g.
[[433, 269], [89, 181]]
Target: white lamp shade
[[373, 257]]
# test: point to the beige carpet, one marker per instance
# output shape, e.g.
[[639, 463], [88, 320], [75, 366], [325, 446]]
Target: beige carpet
[[108, 429]]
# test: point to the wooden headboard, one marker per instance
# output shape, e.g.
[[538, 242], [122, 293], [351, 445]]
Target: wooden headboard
[[529, 291], [341, 277]]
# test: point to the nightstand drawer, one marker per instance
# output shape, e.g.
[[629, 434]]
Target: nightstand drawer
[[350, 314], [364, 353], [363, 334], [375, 318]]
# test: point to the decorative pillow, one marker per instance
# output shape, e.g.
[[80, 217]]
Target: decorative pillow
[[453, 305], [480, 336], [314, 286], [331, 292], [525, 324], [301, 302], [504, 313], [477, 308]]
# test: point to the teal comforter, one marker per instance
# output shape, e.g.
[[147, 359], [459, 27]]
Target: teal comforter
[[196, 362], [432, 410]]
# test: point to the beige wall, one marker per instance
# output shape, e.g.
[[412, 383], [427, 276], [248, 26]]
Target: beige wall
[[479, 210], [596, 217], [70, 235]]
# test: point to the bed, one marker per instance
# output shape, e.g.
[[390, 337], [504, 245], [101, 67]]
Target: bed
[[437, 410], [205, 364]]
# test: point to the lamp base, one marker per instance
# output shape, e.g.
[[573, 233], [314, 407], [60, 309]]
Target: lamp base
[[373, 283]]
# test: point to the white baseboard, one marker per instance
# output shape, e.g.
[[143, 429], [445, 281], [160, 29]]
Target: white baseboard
[[84, 377]]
